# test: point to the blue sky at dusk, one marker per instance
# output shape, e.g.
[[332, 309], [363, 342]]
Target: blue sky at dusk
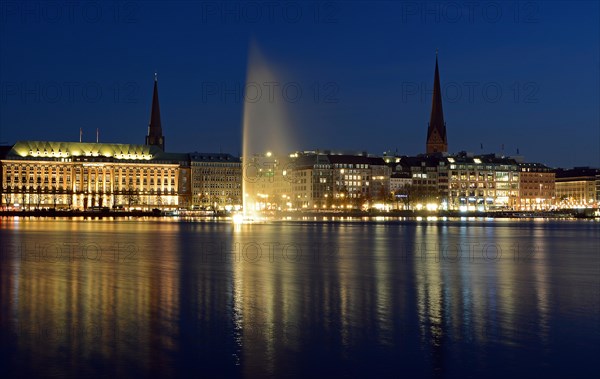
[[350, 75]]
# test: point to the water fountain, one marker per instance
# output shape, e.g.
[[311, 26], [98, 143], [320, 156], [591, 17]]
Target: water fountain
[[265, 136]]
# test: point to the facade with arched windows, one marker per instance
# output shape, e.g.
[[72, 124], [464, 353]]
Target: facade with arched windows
[[74, 175]]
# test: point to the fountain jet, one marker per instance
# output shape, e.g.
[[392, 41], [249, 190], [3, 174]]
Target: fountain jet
[[266, 133]]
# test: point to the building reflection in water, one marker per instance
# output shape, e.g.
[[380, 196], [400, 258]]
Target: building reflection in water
[[94, 297]]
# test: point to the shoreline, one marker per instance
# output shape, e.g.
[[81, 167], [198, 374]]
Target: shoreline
[[563, 214]]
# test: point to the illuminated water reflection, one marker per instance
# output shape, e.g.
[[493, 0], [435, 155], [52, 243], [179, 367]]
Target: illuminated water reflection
[[431, 299]]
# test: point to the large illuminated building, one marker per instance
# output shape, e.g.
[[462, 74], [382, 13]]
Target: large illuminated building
[[326, 180], [485, 182], [216, 181], [536, 187], [462, 181], [82, 175], [578, 187]]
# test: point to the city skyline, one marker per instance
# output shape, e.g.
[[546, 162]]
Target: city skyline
[[343, 106], [321, 189]]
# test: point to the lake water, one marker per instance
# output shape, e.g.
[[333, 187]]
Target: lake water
[[168, 298]]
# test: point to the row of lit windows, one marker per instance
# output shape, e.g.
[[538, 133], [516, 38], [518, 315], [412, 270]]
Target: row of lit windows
[[218, 185], [354, 177], [537, 194], [47, 171], [123, 180], [219, 171], [37, 169], [539, 170], [536, 185], [78, 188], [215, 165], [351, 183], [547, 180], [479, 193], [39, 180], [47, 167], [472, 185], [203, 195], [215, 178], [350, 165]]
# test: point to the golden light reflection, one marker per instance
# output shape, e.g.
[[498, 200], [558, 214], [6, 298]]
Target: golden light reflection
[[154, 291]]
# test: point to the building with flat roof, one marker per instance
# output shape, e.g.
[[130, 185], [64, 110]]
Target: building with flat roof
[[325, 180], [216, 181], [45, 174], [577, 187], [462, 181], [536, 187]]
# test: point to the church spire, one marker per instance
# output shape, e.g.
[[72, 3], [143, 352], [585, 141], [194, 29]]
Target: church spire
[[155, 136], [436, 132]]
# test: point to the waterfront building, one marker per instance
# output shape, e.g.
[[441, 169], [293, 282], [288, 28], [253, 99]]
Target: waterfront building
[[399, 180], [429, 180], [82, 175], [351, 181], [577, 187], [483, 182], [42, 174], [536, 187], [462, 181], [216, 181]]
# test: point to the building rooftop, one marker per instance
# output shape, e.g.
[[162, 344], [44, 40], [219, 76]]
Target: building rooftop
[[355, 159], [534, 167], [52, 150], [576, 172], [213, 157]]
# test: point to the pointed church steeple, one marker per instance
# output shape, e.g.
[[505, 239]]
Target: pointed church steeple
[[155, 136], [437, 141]]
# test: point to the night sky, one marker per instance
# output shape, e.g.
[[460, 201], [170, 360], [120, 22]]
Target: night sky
[[350, 76]]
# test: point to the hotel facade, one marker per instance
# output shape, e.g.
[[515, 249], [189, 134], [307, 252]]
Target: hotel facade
[[37, 174]]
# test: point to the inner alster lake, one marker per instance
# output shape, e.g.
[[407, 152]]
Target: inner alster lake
[[389, 298]]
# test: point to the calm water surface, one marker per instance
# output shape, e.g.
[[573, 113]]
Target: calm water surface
[[451, 299]]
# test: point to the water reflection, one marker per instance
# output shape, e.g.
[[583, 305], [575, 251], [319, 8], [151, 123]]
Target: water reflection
[[97, 298]]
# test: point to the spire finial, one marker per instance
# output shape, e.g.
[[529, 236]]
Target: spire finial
[[155, 76], [436, 52]]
